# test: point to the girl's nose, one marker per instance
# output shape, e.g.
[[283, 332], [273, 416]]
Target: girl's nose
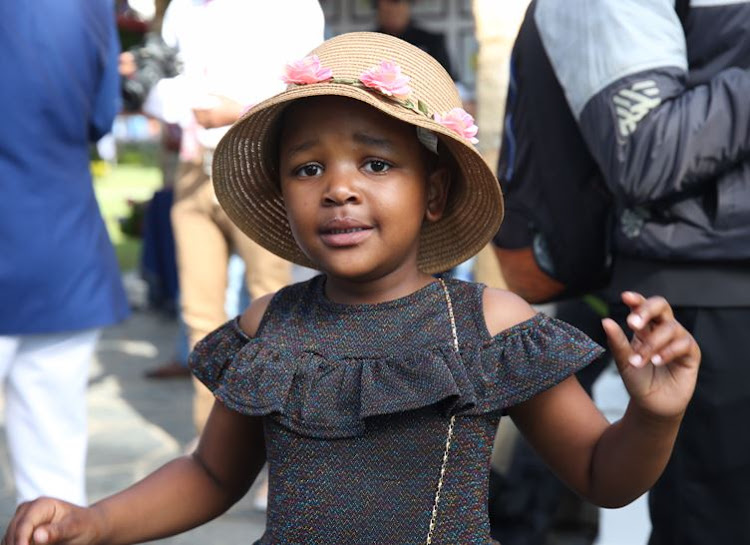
[[341, 190]]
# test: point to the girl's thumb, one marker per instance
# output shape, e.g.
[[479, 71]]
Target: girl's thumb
[[618, 343], [49, 533], [42, 535]]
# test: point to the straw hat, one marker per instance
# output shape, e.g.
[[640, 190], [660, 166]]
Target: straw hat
[[245, 171]]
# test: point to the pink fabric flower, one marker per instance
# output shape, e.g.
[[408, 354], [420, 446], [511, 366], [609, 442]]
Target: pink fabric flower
[[307, 70], [388, 79], [459, 121]]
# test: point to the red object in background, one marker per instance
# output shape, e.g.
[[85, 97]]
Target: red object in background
[[130, 23]]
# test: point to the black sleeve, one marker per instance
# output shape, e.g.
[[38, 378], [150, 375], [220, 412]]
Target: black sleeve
[[623, 67], [691, 136]]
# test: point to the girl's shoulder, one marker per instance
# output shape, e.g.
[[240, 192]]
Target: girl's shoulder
[[503, 310], [511, 330], [495, 312], [252, 317]]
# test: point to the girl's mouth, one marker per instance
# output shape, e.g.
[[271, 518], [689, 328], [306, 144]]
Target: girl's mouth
[[340, 233]]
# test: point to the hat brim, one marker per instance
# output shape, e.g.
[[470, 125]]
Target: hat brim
[[246, 182]]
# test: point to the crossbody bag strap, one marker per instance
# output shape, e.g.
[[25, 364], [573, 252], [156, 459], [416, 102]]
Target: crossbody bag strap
[[451, 423]]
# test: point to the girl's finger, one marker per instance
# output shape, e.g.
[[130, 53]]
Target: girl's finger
[[652, 340], [11, 532], [622, 352], [679, 348], [28, 517], [22, 533], [632, 298], [636, 344], [653, 309]]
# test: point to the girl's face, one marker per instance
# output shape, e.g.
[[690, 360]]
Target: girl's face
[[356, 188]]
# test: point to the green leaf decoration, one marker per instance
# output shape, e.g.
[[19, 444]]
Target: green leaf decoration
[[423, 108]]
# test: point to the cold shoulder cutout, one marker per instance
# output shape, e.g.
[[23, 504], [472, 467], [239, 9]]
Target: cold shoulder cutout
[[322, 369], [503, 309], [249, 321]]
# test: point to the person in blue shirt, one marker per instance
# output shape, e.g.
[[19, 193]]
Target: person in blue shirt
[[59, 279]]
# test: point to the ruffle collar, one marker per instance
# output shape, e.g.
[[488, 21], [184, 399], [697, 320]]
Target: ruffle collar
[[328, 396]]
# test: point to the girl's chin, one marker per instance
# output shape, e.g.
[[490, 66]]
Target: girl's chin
[[355, 264]]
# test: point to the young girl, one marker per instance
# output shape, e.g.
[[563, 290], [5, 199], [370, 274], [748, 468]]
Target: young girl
[[374, 390]]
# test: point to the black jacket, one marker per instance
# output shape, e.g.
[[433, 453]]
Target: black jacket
[[665, 111]]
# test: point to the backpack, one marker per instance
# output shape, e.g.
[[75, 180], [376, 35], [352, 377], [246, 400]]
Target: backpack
[[555, 241]]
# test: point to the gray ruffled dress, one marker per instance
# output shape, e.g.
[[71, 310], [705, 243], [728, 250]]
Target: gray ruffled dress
[[356, 401]]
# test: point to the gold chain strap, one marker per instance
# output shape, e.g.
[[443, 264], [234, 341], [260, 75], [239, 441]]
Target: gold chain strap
[[433, 518]]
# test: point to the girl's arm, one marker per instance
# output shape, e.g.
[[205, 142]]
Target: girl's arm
[[182, 494], [193, 489], [611, 465]]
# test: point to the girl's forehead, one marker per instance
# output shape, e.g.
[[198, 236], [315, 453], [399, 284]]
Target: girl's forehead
[[340, 114], [335, 107]]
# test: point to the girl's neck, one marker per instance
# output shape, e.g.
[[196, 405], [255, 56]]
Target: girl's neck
[[380, 290]]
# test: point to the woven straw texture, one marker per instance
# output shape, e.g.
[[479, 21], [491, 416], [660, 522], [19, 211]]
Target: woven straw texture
[[245, 173]]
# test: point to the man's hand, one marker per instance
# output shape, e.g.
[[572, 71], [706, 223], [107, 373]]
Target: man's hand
[[127, 66], [221, 112]]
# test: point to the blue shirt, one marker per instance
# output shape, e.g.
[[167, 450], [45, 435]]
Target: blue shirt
[[59, 91]]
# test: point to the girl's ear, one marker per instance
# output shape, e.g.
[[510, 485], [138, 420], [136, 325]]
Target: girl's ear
[[438, 183]]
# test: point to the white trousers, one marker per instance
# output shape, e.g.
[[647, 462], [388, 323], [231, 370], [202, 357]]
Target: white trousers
[[45, 378]]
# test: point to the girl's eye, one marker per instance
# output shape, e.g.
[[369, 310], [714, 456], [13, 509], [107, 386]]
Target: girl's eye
[[377, 166], [308, 171]]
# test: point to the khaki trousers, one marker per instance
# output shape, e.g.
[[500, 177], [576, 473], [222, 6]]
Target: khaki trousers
[[204, 239]]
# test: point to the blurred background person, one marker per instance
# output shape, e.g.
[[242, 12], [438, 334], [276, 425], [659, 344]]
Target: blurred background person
[[147, 61], [212, 38], [659, 97], [394, 17], [59, 278], [231, 54]]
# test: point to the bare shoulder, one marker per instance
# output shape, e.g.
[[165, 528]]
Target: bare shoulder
[[504, 309], [251, 318]]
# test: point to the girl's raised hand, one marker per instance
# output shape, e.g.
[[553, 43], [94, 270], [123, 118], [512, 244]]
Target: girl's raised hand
[[47, 521], [659, 366]]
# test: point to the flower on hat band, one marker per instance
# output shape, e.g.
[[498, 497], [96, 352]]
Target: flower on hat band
[[388, 79], [307, 70], [459, 121]]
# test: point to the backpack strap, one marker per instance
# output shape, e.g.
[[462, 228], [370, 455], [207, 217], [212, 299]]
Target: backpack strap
[[682, 7]]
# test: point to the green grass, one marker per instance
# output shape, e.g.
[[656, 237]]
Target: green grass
[[114, 187]]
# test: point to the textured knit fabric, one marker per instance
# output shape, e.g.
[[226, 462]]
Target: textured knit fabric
[[357, 399]]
